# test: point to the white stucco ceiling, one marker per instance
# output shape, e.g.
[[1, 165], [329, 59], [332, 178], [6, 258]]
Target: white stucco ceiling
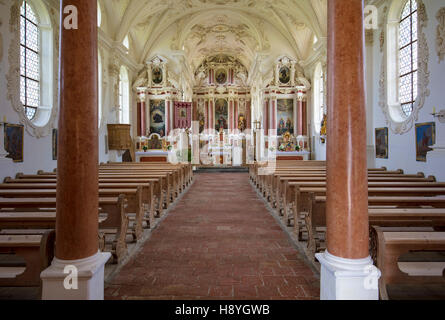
[[241, 28]]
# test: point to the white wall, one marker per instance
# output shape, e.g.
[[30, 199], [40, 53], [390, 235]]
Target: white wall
[[402, 148], [37, 152]]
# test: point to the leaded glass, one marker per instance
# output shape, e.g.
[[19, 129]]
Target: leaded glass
[[29, 60], [408, 57]]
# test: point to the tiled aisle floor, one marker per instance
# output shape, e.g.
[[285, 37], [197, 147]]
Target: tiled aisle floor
[[219, 242]]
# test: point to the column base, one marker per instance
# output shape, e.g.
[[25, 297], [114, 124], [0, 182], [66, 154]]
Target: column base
[[348, 279], [90, 278]]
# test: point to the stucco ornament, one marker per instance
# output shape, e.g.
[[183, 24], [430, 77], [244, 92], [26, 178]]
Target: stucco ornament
[[13, 75], [440, 35]]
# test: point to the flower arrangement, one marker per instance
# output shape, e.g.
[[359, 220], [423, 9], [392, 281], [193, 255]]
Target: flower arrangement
[[145, 148]]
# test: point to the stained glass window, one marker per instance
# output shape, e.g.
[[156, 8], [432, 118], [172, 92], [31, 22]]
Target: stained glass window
[[29, 60], [408, 57]]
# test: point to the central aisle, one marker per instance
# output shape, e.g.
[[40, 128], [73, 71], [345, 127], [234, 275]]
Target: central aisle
[[218, 242]]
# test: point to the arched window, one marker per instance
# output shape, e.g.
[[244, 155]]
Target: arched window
[[318, 99], [38, 67], [29, 60], [124, 97], [408, 57]]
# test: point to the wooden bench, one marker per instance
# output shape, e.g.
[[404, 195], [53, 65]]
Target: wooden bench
[[160, 190], [37, 252], [391, 245], [315, 219], [116, 220]]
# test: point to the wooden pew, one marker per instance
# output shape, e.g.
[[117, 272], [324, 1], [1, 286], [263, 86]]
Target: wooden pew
[[36, 250], [391, 245], [134, 197], [160, 190], [115, 208], [285, 194], [315, 220]]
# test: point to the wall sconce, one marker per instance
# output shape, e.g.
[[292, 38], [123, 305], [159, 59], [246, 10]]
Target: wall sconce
[[439, 115]]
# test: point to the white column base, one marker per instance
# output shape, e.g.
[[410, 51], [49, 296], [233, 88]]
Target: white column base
[[90, 278], [348, 279]]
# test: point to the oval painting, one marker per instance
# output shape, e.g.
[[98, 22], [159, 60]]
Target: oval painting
[[157, 75], [221, 76], [284, 75]]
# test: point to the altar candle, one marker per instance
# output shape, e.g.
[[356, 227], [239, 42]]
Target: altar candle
[[4, 119]]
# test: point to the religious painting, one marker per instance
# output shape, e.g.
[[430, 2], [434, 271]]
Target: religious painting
[[381, 143], [284, 75], [14, 141], [425, 138], [157, 75], [55, 134], [157, 117], [242, 122], [221, 76], [221, 114], [285, 116], [201, 120]]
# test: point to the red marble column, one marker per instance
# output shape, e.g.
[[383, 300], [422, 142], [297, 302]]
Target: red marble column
[[235, 116], [347, 183], [304, 118], [273, 121], [211, 113], [77, 165], [207, 115], [249, 114], [299, 117], [266, 117]]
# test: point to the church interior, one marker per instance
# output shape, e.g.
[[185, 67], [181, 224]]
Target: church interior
[[222, 149]]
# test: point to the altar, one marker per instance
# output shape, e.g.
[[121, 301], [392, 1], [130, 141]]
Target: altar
[[154, 156]]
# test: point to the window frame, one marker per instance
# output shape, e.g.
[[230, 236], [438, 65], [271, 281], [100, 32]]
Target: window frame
[[27, 48], [389, 101], [413, 68]]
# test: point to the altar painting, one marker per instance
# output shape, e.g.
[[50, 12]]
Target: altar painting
[[157, 117], [285, 116], [221, 115]]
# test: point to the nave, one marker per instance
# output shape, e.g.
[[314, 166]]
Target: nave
[[218, 242]]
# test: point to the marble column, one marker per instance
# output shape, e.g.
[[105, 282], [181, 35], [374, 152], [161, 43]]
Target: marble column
[[266, 117], [77, 165], [211, 114], [142, 116], [346, 267], [249, 114], [207, 115], [299, 116]]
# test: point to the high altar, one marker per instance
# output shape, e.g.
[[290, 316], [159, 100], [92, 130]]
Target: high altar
[[215, 129]]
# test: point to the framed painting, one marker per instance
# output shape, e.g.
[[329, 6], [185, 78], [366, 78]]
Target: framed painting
[[221, 114], [157, 76], [425, 138], [284, 75], [157, 117], [381, 143], [14, 141], [55, 134], [285, 116], [221, 76]]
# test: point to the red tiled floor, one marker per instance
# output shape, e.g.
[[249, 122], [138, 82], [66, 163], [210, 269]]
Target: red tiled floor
[[218, 242]]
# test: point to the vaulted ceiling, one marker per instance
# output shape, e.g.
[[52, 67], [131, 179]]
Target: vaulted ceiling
[[198, 28]]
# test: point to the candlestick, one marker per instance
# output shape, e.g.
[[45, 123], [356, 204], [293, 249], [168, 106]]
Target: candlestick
[[434, 110]]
